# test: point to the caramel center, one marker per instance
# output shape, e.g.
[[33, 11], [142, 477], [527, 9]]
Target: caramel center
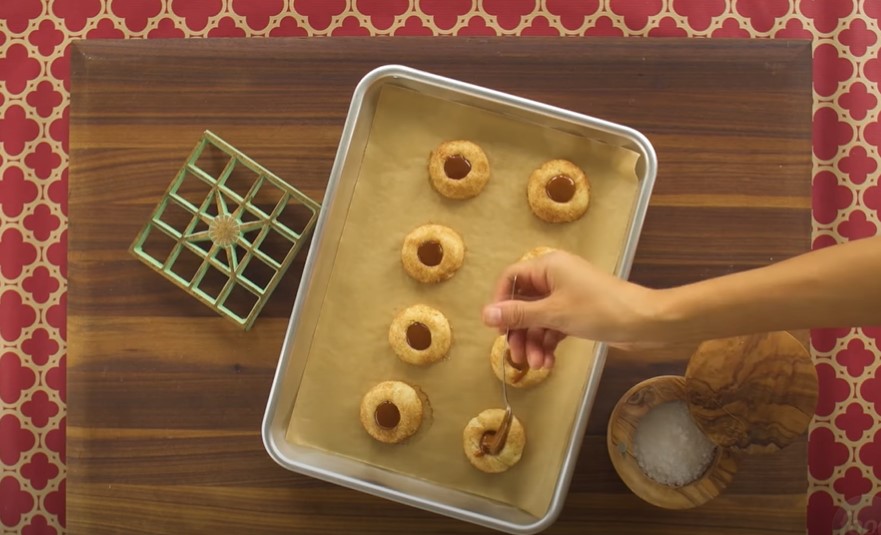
[[519, 367], [457, 167], [561, 188], [387, 415], [486, 442], [418, 336], [493, 442], [520, 370], [430, 253]]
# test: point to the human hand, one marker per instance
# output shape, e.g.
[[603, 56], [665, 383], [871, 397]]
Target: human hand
[[560, 294]]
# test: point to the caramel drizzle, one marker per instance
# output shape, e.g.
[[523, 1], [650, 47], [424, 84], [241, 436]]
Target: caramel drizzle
[[500, 437], [520, 370]]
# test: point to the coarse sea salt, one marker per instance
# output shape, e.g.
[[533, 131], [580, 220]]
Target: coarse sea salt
[[669, 447]]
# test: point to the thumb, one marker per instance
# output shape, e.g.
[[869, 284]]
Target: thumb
[[516, 314]]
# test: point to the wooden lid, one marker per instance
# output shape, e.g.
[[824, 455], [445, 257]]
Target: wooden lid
[[752, 394]]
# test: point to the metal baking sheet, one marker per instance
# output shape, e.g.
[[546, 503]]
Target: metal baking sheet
[[388, 474]]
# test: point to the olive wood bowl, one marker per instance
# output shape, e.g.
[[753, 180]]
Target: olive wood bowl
[[625, 418]]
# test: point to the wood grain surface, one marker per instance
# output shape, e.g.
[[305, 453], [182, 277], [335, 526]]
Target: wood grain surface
[[165, 398], [624, 421], [753, 394]]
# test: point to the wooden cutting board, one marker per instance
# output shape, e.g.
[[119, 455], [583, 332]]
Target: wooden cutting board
[[165, 398]]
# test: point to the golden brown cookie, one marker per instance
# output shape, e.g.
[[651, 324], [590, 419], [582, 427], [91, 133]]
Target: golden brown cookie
[[536, 252], [420, 335], [432, 253], [458, 169], [518, 376], [487, 423], [391, 411], [558, 192]]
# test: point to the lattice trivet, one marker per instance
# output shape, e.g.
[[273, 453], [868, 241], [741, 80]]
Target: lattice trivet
[[205, 213]]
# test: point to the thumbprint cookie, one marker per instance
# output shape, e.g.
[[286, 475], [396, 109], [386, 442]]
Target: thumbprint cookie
[[516, 375], [536, 252], [558, 192], [392, 411], [420, 335], [478, 437], [458, 169], [432, 253]]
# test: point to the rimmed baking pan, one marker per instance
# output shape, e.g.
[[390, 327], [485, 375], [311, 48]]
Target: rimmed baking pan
[[336, 346]]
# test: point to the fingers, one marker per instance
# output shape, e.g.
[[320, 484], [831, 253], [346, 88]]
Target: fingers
[[529, 316], [518, 314], [532, 279], [535, 346], [551, 339], [517, 346], [535, 354], [540, 345]]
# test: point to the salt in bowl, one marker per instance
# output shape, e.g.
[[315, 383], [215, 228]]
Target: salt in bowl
[[669, 445]]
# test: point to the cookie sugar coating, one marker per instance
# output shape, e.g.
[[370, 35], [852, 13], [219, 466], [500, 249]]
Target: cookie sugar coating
[[536, 252], [391, 411], [458, 169], [420, 335], [518, 377], [432, 253], [558, 192], [489, 421]]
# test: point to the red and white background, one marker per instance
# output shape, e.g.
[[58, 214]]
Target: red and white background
[[845, 439]]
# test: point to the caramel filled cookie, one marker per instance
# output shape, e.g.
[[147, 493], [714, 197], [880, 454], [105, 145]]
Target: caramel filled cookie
[[420, 335], [391, 411], [480, 431], [432, 253], [536, 252], [558, 192], [516, 375], [458, 169]]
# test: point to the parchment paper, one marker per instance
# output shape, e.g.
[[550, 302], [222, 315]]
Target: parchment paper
[[350, 352]]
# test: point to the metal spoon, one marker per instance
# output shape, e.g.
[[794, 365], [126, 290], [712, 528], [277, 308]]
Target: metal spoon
[[501, 435]]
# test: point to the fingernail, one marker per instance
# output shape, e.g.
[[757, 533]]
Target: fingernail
[[492, 316]]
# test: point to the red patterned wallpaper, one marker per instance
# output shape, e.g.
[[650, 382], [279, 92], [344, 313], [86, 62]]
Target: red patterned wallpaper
[[845, 439]]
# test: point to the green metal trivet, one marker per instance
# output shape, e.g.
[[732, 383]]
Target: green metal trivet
[[199, 224]]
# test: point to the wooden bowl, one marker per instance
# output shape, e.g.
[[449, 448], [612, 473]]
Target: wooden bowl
[[628, 412]]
